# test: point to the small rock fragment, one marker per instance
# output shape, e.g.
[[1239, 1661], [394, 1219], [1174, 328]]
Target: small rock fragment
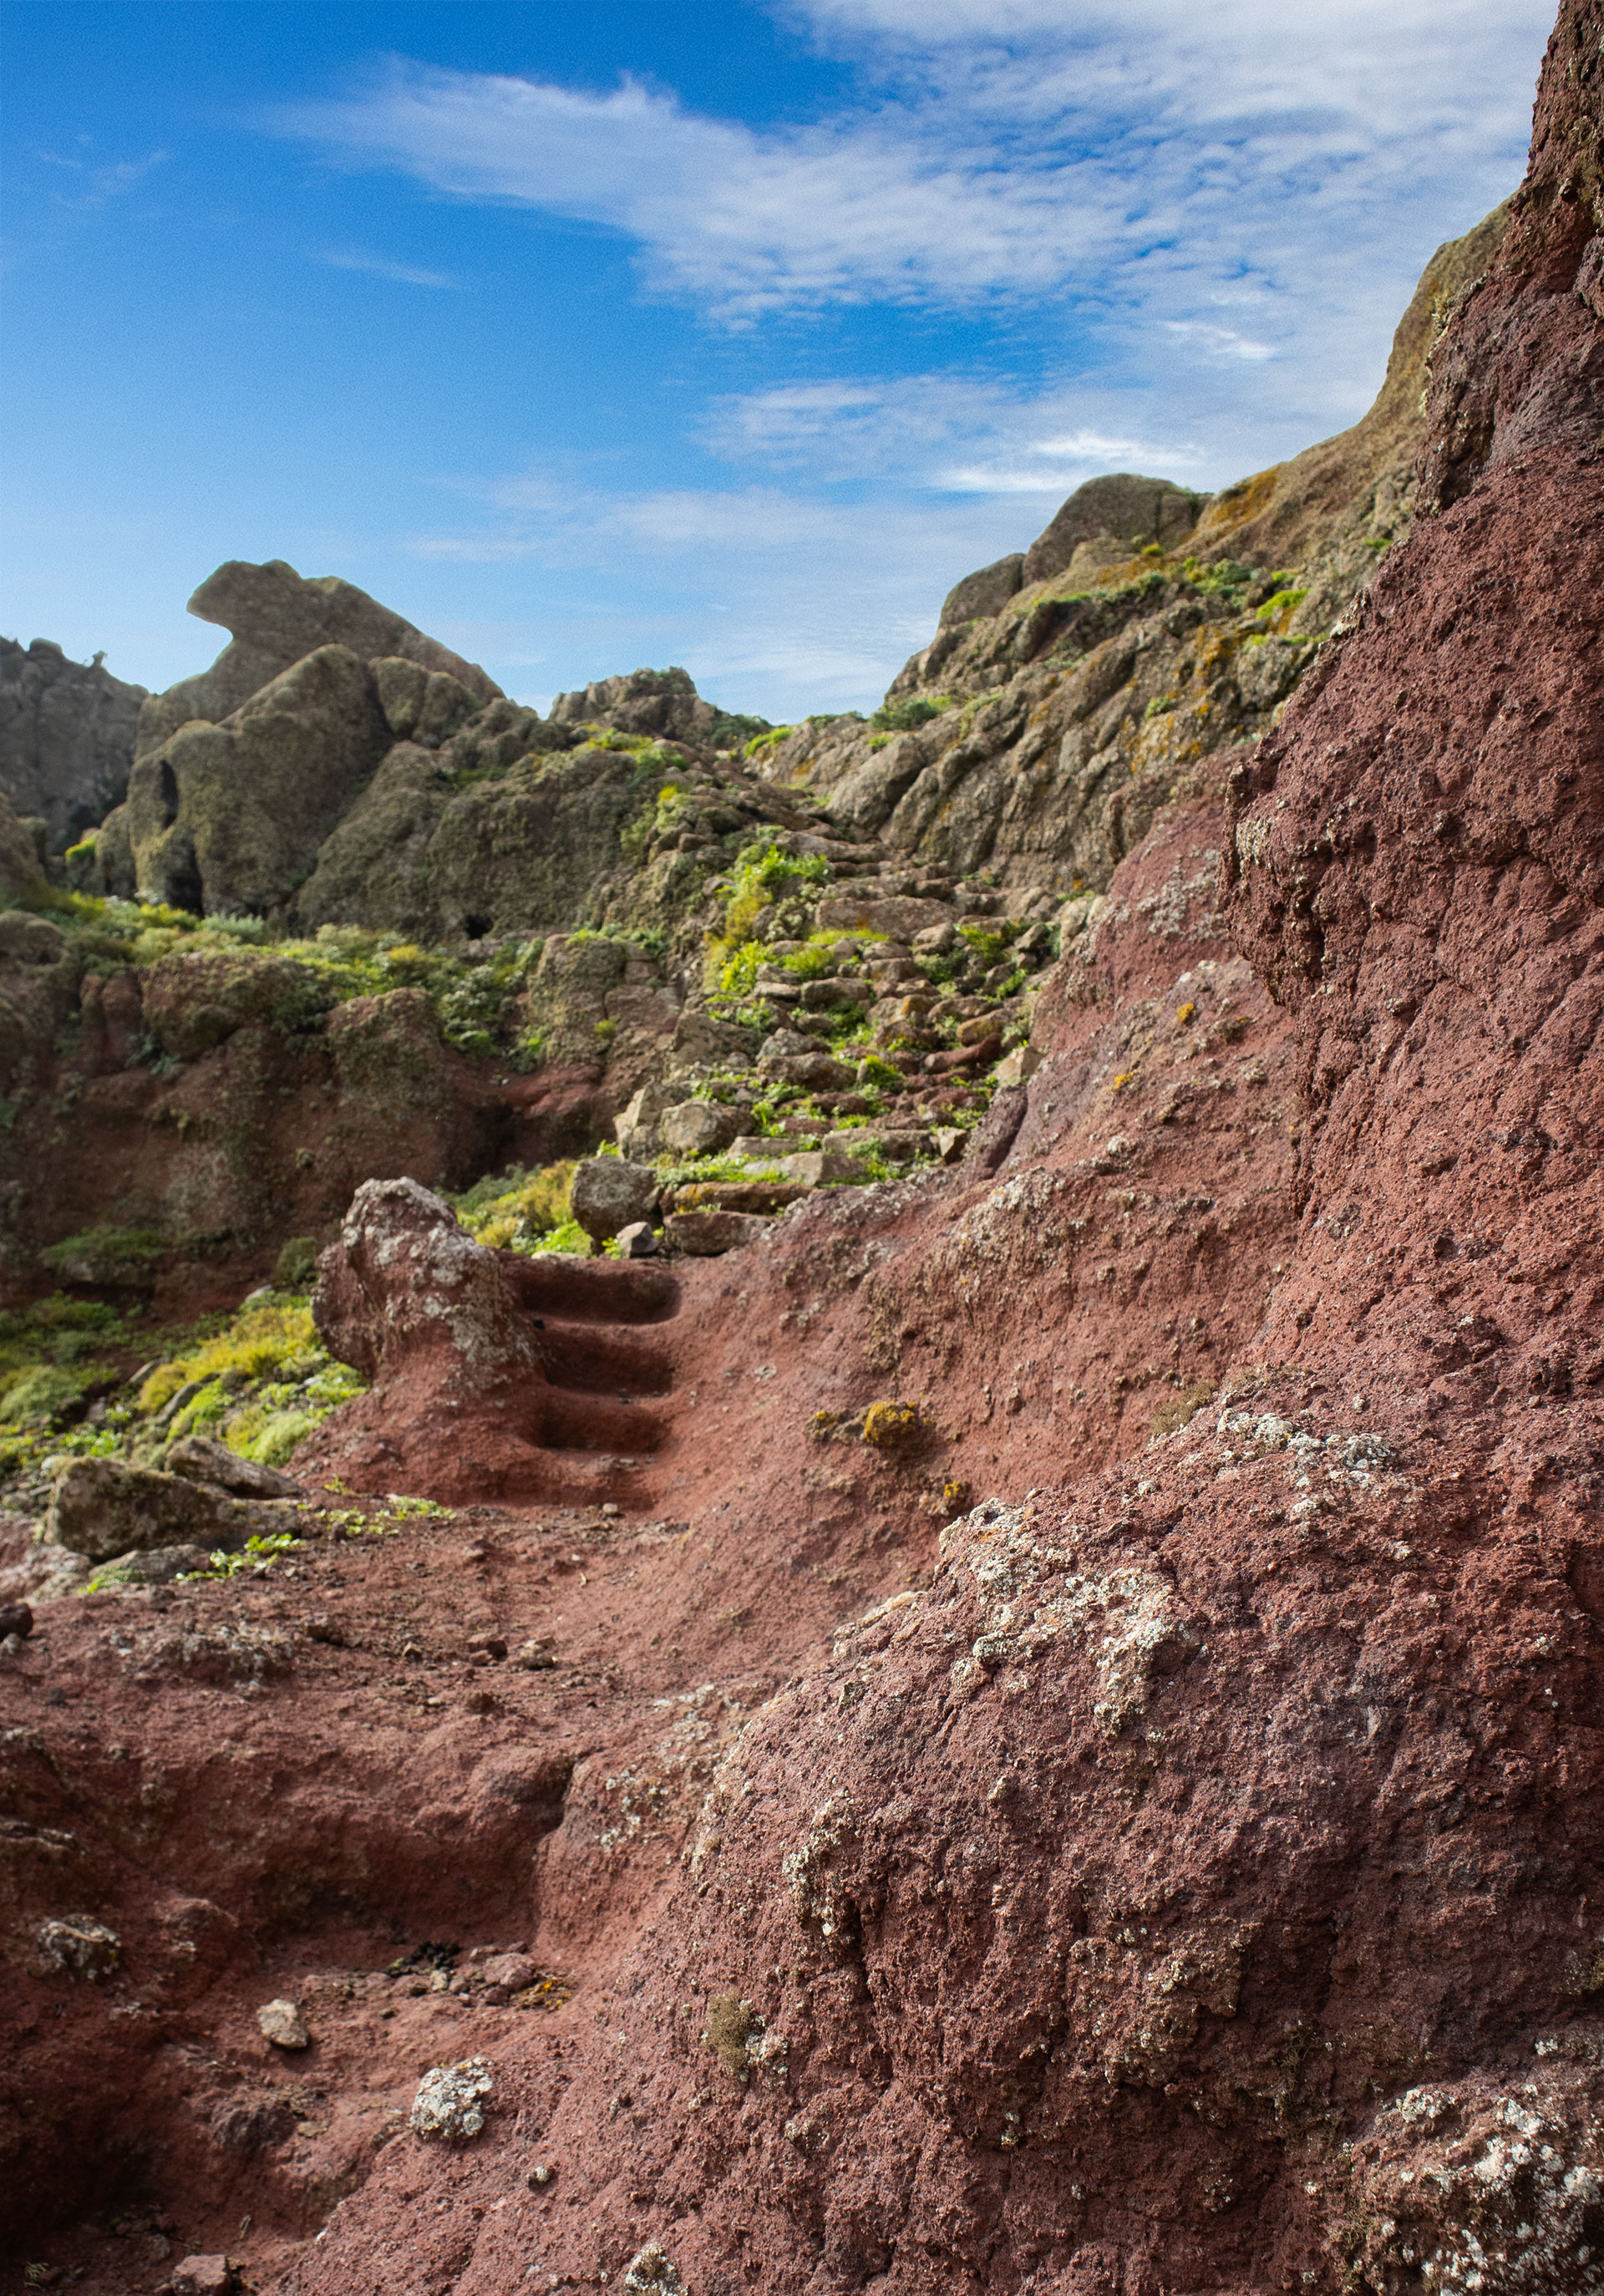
[[447, 2102], [705, 1235], [204, 2275], [511, 1971], [541, 2173], [78, 1946], [698, 1127], [201, 1460], [947, 1140], [15, 1619], [282, 2023], [638, 1241], [652, 2268], [535, 1657], [1017, 1066], [816, 1169]]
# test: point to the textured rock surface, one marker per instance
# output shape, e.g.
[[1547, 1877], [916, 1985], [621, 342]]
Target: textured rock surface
[[67, 732], [230, 816], [1123, 509]]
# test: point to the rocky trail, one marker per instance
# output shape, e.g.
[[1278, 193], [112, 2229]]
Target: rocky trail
[[976, 1663]]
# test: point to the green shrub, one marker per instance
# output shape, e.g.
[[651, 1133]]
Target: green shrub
[[34, 1397], [904, 716]]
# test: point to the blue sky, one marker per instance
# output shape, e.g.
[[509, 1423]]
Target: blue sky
[[596, 335]]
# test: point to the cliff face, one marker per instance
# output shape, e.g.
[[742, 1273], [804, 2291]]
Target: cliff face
[[1057, 1744], [67, 733], [1070, 691]]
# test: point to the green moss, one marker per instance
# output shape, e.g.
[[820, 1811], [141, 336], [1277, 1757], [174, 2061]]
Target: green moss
[[105, 1255], [769, 740], [258, 1340]]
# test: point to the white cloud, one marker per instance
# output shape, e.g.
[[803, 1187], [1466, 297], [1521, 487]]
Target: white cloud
[[1149, 165], [775, 602], [962, 434], [1224, 342], [378, 266], [102, 181]]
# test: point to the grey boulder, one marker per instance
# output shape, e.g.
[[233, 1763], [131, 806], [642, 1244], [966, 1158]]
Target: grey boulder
[[610, 1193]]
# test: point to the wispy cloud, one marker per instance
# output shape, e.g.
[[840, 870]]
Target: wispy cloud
[[957, 433], [775, 601], [379, 267], [99, 182], [1018, 148]]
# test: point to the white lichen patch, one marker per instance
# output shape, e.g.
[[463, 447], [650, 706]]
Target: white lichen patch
[[1034, 1594], [651, 2268], [79, 1947], [1471, 2192], [447, 2103], [668, 1790], [819, 1899]]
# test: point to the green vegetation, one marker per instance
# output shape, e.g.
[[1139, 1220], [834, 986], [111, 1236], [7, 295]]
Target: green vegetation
[[769, 740], [259, 1380], [904, 717], [525, 1212], [1284, 602], [1226, 576], [472, 997], [763, 872]]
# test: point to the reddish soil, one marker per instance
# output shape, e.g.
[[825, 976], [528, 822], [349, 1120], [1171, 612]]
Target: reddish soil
[[1066, 1848]]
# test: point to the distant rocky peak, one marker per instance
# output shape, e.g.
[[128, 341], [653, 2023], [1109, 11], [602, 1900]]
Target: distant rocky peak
[[664, 703], [277, 619], [1123, 508]]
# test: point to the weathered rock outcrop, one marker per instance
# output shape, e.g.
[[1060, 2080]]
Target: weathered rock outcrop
[[67, 733], [658, 701], [228, 818], [277, 619], [1070, 693], [1122, 510]]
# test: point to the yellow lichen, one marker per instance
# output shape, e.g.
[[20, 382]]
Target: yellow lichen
[[893, 1426]]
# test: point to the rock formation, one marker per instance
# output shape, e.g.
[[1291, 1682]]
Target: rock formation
[[275, 618], [1070, 691], [67, 733], [1032, 1727]]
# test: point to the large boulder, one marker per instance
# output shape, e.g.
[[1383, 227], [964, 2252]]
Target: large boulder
[[406, 1288], [610, 1194], [660, 701], [984, 593], [67, 732], [100, 1508], [229, 818], [277, 619]]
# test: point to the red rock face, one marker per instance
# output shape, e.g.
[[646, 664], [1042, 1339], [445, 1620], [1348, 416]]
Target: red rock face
[[1169, 1863]]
